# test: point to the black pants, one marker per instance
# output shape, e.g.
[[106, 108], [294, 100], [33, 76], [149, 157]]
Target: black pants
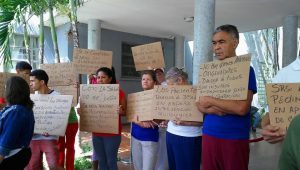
[[18, 161]]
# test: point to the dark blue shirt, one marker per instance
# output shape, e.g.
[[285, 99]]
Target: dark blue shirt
[[144, 134], [230, 126], [16, 128]]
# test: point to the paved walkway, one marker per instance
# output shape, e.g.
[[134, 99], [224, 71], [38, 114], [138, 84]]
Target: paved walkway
[[263, 156]]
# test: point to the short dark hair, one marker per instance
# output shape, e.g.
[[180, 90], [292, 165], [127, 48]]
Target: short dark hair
[[151, 73], [40, 75], [23, 65], [109, 72], [230, 29], [17, 92]]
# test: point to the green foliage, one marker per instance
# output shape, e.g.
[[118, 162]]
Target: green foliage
[[82, 163], [11, 12], [86, 148]]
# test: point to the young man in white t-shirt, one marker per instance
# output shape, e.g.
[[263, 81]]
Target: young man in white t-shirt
[[44, 143]]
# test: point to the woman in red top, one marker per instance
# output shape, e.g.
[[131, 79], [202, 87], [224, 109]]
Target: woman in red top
[[106, 145]]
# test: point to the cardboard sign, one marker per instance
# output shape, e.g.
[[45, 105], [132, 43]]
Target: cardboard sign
[[148, 56], [3, 79], [98, 105], [60, 74], [5, 76], [89, 61], [176, 103], [68, 90], [225, 79], [51, 113], [284, 103], [140, 106]]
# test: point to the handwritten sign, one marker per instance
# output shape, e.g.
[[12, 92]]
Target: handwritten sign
[[225, 79], [51, 113], [176, 102], [284, 103], [60, 74], [5, 76], [148, 56], [89, 61], [67, 90], [99, 104], [140, 106]]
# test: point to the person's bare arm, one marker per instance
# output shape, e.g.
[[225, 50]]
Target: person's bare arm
[[271, 134], [122, 107], [187, 123], [237, 107]]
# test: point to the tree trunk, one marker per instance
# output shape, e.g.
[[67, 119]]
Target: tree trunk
[[74, 24], [53, 32], [26, 38], [41, 39]]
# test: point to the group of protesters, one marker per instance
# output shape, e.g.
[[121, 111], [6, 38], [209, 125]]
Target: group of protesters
[[221, 142]]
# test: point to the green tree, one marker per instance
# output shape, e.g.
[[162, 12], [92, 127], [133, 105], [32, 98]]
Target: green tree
[[15, 11], [10, 14]]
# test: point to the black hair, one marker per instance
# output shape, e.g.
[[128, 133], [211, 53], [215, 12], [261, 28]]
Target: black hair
[[40, 75], [230, 29], [109, 72], [17, 92], [151, 73], [23, 65]]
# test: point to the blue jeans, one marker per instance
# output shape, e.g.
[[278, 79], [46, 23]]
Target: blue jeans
[[106, 150], [183, 152]]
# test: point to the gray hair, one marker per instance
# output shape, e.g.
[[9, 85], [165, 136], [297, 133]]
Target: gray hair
[[230, 29], [174, 73]]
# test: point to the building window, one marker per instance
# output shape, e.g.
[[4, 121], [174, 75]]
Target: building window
[[128, 68], [18, 51]]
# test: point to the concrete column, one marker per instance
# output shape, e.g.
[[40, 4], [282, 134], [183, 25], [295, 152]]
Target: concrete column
[[289, 48], [94, 34], [204, 24], [179, 51]]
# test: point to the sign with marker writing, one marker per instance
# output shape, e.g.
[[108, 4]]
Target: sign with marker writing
[[176, 103], [98, 105], [60, 74], [140, 106], [225, 79], [51, 113], [5, 76], [88, 61], [284, 103], [148, 56], [67, 90]]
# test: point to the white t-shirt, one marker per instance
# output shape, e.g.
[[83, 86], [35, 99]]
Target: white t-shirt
[[289, 74], [186, 131], [50, 137]]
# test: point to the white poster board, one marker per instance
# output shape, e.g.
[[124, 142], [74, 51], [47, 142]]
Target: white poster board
[[51, 113]]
